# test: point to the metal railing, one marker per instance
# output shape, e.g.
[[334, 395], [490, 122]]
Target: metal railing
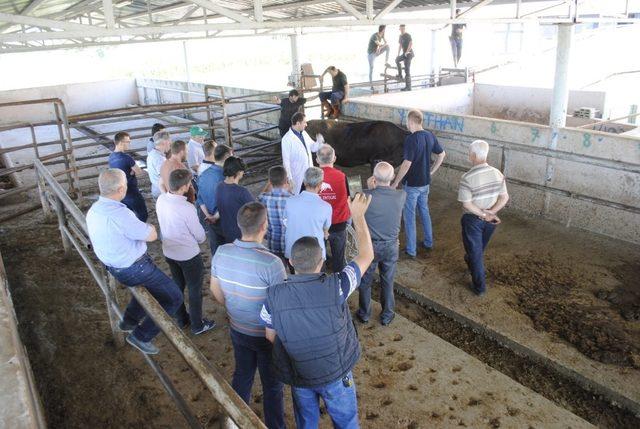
[[74, 234]]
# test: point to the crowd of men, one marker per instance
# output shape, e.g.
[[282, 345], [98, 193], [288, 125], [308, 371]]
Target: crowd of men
[[287, 306]]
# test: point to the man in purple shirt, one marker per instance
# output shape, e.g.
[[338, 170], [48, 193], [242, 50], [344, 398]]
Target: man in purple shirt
[[182, 234]]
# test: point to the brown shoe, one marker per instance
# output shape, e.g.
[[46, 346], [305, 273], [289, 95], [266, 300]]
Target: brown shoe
[[336, 112]]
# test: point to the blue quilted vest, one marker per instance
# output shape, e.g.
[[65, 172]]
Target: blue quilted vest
[[317, 342]]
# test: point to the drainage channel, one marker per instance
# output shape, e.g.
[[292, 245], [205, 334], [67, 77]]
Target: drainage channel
[[568, 389]]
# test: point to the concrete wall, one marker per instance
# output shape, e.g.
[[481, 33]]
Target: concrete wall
[[594, 177], [452, 99], [527, 104], [597, 125], [78, 98]]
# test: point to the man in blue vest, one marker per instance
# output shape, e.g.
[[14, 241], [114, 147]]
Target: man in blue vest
[[308, 320]]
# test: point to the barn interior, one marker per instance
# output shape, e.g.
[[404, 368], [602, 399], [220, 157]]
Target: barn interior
[[555, 343]]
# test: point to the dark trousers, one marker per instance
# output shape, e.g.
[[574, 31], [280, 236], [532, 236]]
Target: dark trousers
[[386, 260], [476, 234], [406, 59], [214, 233], [190, 274], [456, 49], [284, 128], [144, 272], [135, 202], [251, 353], [337, 242]]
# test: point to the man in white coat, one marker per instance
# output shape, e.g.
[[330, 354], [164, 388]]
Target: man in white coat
[[296, 151]]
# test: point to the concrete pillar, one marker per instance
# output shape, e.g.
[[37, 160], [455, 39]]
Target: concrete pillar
[[185, 97], [295, 60], [560, 99]]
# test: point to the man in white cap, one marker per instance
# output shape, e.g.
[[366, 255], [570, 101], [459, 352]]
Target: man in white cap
[[195, 152]]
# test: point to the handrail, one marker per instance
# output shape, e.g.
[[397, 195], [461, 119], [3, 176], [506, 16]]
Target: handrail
[[223, 393]]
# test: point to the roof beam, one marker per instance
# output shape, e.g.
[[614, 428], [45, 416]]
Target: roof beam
[[221, 10], [257, 10], [107, 9], [31, 7], [475, 7], [350, 9], [388, 9], [369, 9], [43, 22]]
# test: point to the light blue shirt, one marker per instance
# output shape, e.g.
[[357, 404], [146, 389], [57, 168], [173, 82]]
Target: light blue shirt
[[306, 215], [155, 158], [116, 234]]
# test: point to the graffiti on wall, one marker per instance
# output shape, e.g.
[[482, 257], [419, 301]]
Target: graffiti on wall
[[443, 122]]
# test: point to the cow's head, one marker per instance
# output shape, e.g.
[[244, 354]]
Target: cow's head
[[318, 126]]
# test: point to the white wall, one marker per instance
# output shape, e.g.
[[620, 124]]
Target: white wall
[[527, 104], [78, 98], [452, 99]]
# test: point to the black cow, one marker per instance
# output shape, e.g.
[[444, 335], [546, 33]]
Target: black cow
[[359, 143]]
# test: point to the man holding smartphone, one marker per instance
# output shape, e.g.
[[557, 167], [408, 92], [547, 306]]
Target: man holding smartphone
[[483, 193]]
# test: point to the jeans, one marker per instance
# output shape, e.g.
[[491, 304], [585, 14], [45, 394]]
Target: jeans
[[340, 400], [334, 96], [337, 242], [216, 239], [372, 56], [190, 274], [476, 234], [456, 49], [386, 259], [417, 196], [135, 202], [251, 353], [144, 272], [406, 58]]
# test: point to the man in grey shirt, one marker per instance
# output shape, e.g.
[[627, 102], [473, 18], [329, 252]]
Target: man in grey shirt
[[383, 218]]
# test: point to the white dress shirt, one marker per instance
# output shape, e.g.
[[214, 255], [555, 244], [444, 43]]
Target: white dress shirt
[[296, 158], [195, 154], [155, 158], [179, 226], [117, 236]]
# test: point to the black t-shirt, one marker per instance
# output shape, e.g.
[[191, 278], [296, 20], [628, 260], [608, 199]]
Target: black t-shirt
[[456, 30], [418, 148], [288, 109], [404, 41], [339, 82], [372, 43]]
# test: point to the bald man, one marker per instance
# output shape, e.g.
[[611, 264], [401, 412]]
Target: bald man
[[383, 218]]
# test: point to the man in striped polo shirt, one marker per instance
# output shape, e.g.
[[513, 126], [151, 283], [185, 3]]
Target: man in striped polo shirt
[[483, 193], [241, 272]]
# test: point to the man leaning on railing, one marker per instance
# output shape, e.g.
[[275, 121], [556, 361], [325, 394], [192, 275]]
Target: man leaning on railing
[[119, 240]]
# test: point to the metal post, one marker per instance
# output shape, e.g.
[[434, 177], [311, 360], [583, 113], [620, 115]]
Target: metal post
[[560, 100], [63, 146], [42, 194], [118, 337], [225, 119], [295, 60], [434, 52], [72, 156], [186, 64], [62, 222], [453, 6]]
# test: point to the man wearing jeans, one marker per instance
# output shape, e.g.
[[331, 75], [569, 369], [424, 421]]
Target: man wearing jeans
[[119, 240], [376, 47], [415, 173], [483, 193], [383, 218], [241, 274], [309, 322], [339, 93], [181, 235]]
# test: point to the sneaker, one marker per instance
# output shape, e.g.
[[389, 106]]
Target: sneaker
[[388, 321], [405, 89], [477, 291], [147, 348], [361, 319], [207, 325], [427, 248], [126, 326]]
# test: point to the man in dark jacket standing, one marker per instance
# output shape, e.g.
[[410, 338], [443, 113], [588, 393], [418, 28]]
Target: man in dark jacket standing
[[308, 319], [288, 107]]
